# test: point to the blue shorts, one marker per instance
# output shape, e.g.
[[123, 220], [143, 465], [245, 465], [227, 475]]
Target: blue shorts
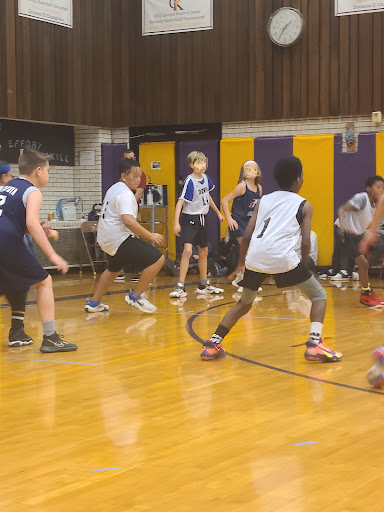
[[19, 268]]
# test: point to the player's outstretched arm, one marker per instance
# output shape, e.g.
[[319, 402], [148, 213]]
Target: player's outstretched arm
[[346, 207], [131, 223], [306, 232], [34, 227], [215, 208], [370, 236]]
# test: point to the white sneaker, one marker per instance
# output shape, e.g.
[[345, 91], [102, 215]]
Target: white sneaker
[[178, 292], [120, 278], [238, 278], [141, 303], [96, 309], [355, 276], [209, 289], [340, 276]]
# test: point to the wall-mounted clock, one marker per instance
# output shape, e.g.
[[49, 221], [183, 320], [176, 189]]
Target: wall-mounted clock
[[285, 26]]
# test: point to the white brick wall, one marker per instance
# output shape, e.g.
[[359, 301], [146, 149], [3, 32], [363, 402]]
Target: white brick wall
[[299, 127]]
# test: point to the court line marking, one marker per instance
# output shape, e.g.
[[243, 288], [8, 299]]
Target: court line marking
[[192, 333], [306, 442], [106, 469], [49, 361]]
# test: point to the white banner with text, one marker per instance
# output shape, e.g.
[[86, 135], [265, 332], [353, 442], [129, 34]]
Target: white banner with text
[[346, 7], [169, 16], [58, 12]]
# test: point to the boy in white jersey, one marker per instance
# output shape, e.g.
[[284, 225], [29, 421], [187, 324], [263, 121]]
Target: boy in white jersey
[[267, 248], [194, 204], [117, 235], [354, 218]]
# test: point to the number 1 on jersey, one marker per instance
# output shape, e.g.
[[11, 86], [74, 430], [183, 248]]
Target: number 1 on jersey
[[2, 201], [266, 222]]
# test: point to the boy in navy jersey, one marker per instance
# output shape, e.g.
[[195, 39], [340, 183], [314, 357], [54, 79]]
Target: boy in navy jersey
[[193, 205], [20, 202], [267, 248]]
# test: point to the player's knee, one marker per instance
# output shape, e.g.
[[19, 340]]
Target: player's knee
[[187, 251], [203, 251], [319, 294]]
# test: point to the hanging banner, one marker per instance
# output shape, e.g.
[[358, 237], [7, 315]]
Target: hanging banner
[[58, 12], [169, 16], [346, 7]]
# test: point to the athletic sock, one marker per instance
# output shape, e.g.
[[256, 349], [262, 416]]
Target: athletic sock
[[203, 282], [220, 334], [315, 331], [366, 290], [17, 320], [49, 327], [92, 303]]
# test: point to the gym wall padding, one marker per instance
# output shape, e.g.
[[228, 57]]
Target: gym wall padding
[[353, 168], [164, 152], [380, 154], [268, 150], [317, 155], [211, 149], [233, 154]]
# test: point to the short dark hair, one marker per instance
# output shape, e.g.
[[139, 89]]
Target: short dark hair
[[127, 164], [372, 180], [286, 172], [30, 159]]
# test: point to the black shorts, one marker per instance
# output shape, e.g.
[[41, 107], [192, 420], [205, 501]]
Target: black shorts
[[352, 244], [133, 251], [192, 230], [252, 280]]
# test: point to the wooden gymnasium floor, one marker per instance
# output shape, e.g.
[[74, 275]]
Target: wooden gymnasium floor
[[134, 421]]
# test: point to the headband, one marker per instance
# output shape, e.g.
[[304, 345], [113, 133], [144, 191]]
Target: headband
[[4, 168], [249, 162]]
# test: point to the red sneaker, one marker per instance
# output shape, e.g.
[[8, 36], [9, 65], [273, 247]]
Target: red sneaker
[[381, 301], [321, 352], [212, 351], [370, 299]]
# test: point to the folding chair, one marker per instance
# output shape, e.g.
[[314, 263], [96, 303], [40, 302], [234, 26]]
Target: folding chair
[[95, 253]]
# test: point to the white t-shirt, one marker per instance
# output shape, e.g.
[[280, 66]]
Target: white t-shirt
[[277, 231], [111, 232], [196, 195], [359, 220]]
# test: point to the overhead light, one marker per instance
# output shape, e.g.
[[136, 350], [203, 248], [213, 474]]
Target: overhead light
[[182, 132], [149, 134]]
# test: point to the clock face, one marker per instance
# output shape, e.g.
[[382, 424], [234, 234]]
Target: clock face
[[285, 26]]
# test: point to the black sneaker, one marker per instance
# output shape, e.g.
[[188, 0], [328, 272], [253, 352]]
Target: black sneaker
[[19, 338], [55, 343]]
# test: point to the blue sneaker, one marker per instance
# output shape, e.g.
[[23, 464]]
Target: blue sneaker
[[89, 308]]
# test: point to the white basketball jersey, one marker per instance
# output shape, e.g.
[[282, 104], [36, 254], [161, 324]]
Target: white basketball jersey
[[196, 195], [276, 233]]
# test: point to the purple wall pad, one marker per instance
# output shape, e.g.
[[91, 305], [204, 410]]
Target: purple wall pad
[[268, 150], [352, 169], [111, 155], [211, 149]]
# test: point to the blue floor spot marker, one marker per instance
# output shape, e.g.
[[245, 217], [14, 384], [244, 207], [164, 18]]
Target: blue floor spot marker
[[105, 469], [308, 442]]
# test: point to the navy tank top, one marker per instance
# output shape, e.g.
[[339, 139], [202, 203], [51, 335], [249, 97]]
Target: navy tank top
[[243, 206], [13, 200]]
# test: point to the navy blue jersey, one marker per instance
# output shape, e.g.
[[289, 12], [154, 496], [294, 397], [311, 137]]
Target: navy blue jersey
[[19, 268], [243, 206], [13, 202]]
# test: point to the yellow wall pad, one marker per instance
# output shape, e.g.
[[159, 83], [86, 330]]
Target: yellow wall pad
[[317, 155], [380, 154], [163, 152]]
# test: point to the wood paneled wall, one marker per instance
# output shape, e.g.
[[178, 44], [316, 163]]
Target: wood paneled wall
[[104, 73]]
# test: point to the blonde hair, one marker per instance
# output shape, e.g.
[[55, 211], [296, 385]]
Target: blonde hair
[[31, 160], [194, 156], [241, 175]]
